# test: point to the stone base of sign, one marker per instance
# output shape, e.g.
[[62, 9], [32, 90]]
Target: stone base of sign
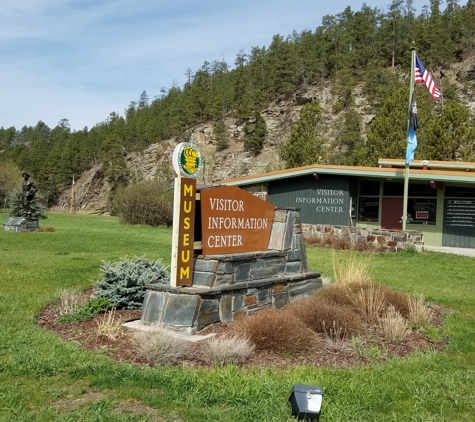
[[229, 287], [17, 224], [193, 308]]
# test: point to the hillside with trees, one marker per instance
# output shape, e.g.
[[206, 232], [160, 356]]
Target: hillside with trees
[[336, 95]]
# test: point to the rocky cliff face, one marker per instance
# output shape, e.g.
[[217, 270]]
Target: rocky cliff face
[[91, 189]]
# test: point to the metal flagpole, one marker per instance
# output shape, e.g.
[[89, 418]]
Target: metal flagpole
[[406, 169]]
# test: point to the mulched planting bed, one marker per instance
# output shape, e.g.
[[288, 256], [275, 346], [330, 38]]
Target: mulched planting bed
[[323, 353]]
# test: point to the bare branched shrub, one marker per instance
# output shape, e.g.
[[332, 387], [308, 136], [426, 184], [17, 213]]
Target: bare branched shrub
[[159, 348], [275, 330], [70, 302], [321, 316], [45, 229], [110, 325], [312, 240], [419, 314], [369, 301], [394, 325], [351, 268], [227, 350], [340, 243], [145, 203], [336, 335]]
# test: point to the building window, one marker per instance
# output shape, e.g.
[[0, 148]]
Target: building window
[[393, 189], [368, 201], [368, 209], [369, 188], [421, 211], [459, 192]]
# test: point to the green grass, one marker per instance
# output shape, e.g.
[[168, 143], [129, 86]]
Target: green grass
[[43, 378]]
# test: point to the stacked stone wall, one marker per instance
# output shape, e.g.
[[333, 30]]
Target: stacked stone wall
[[378, 239]]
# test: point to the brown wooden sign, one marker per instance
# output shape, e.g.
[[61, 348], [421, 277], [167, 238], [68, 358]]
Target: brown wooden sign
[[233, 220]]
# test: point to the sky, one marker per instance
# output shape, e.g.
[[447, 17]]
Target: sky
[[81, 60]]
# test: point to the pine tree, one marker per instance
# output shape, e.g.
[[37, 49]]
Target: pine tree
[[221, 135], [346, 144], [115, 169], [449, 137], [255, 131], [305, 146]]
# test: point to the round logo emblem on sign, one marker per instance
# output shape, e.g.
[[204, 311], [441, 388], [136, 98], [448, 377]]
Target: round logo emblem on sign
[[187, 159]]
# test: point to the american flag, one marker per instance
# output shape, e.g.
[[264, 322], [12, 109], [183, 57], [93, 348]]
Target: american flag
[[423, 76]]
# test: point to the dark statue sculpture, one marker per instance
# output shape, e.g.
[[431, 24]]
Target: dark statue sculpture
[[29, 190]]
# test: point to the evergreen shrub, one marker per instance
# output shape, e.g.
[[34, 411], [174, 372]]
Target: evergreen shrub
[[149, 203], [16, 205], [123, 283]]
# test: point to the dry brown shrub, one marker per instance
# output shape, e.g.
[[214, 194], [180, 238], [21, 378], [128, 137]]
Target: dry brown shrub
[[340, 243], [400, 301], [327, 317], [276, 331], [360, 247], [312, 240], [337, 294], [227, 350], [45, 229], [394, 326]]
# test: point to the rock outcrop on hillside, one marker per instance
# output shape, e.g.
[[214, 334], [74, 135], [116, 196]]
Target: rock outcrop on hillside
[[91, 189]]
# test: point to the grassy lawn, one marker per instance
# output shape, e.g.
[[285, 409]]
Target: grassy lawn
[[43, 378]]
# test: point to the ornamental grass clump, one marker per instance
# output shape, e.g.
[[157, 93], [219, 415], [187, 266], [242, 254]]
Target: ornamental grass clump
[[123, 283], [109, 326], [419, 315], [369, 300], [159, 348], [227, 350], [69, 302], [393, 325], [351, 268]]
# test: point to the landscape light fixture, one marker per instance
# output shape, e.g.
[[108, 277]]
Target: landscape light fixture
[[306, 402]]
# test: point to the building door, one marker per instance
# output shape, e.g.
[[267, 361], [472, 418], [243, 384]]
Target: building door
[[391, 213]]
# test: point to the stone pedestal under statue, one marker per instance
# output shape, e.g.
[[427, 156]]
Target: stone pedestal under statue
[[18, 224]]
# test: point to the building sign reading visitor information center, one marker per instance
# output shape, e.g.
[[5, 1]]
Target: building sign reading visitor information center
[[329, 200]]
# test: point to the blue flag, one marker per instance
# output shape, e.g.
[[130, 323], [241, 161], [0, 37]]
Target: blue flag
[[413, 126]]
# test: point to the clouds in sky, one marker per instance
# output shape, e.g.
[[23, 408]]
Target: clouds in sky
[[83, 59]]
